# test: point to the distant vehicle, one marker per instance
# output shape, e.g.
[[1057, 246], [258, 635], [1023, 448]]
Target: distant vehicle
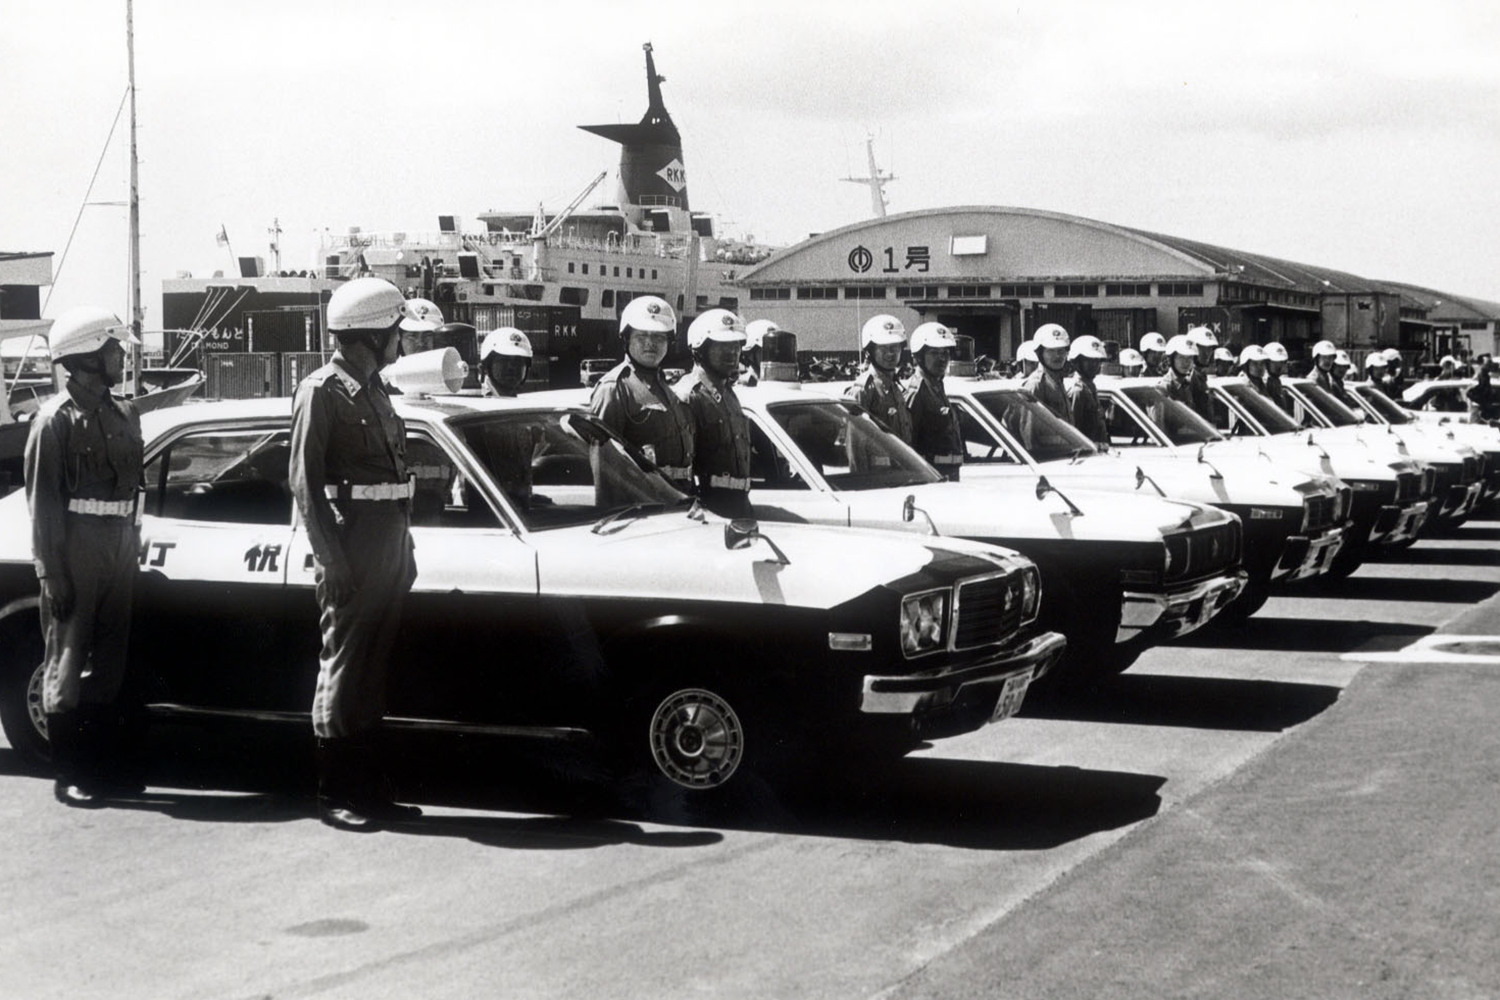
[[591, 370]]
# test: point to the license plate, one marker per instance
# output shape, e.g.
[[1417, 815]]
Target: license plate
[[1011, 695]]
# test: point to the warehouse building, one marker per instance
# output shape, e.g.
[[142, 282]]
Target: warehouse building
[[996, 274]]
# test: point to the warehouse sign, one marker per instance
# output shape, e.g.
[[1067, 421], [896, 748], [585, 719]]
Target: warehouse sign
[[916, 258]]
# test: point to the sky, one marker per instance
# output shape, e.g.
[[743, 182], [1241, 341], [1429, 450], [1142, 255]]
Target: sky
[[1363, 136]]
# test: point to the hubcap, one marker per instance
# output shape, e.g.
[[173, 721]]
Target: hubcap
[[35, 709], [697, 740]]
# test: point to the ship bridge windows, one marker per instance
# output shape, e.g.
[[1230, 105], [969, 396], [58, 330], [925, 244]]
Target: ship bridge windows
[[607, 299], [817, 292], [757, 294], [865, 292], [573, 296], [571, 266]]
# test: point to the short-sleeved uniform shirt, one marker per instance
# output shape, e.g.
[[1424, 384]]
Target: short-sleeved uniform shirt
[[721, 442], [637, 404], [880, 393], [1048, 389]]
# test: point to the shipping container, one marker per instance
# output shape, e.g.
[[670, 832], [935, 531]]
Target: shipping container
[[242, 376], [296, 366]]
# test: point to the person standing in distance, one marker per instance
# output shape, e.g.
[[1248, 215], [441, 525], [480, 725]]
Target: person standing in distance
[[1046, 383], [1131, 363], [881, 340], [1154, 349], [635, 402], [1177, 383], [1087, 354], [1341, 365], [1223, 361], [83, 476], [1026, 359], [935, 433], [1324, 354], [348, 475], [504, 361], [1276, 360], [721, 432], [750, 356]]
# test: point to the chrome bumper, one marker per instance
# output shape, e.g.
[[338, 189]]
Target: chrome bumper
[[1461, 500], [1397, 523], [1180, 612], [905, 694], [1306, 556]]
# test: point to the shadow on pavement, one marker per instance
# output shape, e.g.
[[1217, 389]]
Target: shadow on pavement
[[1436, 557], [1374, 588], [1190, 702], [1305, 635], [1470, 533]]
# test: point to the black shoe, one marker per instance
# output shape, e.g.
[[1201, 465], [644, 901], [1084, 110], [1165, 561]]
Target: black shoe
[[72, 794], [343, 816]]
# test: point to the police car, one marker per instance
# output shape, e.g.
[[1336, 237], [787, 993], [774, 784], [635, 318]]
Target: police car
[[1380, 409], [1120, 573], [565, 592]]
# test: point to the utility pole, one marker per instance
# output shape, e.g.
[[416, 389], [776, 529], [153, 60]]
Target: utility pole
[[137, 314]]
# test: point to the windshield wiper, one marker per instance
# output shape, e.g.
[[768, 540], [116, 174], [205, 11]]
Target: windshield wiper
[[615, 515]]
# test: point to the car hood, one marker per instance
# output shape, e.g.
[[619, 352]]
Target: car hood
[[1387, 439], [1329, 458]]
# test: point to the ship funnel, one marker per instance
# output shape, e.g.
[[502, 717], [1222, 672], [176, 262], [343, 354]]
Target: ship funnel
[[651, 170]]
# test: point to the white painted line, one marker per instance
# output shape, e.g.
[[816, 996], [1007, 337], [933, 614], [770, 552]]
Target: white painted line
[[1431, 649]]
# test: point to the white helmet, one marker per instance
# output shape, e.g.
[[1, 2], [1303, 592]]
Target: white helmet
[[1392, 356], [367, 304], [1027, 351], [1131, 358], [1180, 345], [1448, 359], [1342, 358], [1202, 336], [1153, 342], [1050, 335], [648, 313], [84, 330], [756, 330], [1252, 352], [421, 317], [932, 335], [507, 341], [1275, 351], [717, 324], [1375, 360], [1324, 347], [882, 329], [1087, 347], [1223, 354]]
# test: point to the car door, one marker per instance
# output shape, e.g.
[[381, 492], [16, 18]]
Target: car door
[[784, 484], [211, 598]]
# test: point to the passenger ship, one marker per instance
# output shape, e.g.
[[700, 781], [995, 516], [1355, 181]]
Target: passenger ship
[[563, 278]]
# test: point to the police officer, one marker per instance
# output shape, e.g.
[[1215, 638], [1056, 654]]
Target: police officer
[[721, 433], [876, 389], [1132, 363], [504, 361], [83, 475], [1203, 339], [1276, 359], [1154, 349], [1375, 369], [1395, 375], [1087, 355], [1253, 366], [348, 475], [1223, 361], [635, 401], [1324, 354], [1341, 365], [1447, 367], [1178, 383], [419, 329], [750, 356], [935, 432], [1046, 383], [1026, 358]]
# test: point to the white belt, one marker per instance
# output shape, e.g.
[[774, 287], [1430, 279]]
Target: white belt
[[947, 460], [103, 508], [675, 471], [729, 482], [372, 491]]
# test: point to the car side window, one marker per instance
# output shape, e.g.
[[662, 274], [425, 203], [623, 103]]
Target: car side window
[[444, 497], [769, 468], [237, 476], [1124, 430], [980, 446]]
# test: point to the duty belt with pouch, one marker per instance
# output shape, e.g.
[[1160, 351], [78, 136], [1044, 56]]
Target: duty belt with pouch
[[675, 472], [342, 492], [107, 508], [729, 482]]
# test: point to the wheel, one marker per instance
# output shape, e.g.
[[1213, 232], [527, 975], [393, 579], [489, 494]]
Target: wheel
[[21, 712], [696, 737]]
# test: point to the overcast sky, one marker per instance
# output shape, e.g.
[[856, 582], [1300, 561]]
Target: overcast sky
[[1363, 136]]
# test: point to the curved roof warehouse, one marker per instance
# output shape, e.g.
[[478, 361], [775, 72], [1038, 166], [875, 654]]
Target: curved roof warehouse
[[997, 273]]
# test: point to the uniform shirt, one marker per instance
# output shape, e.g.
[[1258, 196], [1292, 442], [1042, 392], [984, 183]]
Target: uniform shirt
[[343, 431], [1088, 416], [1276, 393], [934, 423], [637, 405], [1334, 386], [1048, 389], [881, 394], [1180, 388], [721, 433], [83, 445], [1203, 397]]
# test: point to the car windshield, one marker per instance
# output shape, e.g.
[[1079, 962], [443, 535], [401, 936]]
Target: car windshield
[[1270, 416], [1382, 405], [849, 449], [1038, 430], [561, 469], [1323, 401], [1178, 421]]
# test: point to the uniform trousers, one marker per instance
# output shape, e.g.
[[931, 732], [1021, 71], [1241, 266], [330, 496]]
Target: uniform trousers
[[87, 651]]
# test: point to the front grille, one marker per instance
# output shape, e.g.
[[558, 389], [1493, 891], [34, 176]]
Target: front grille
[[1204, 551], [1408, 486], [1429, 481], [1317, 513], [988, 610], [1471, 470], [1346, 501]]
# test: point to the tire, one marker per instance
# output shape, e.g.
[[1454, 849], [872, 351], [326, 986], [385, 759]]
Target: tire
[[693, 734], [21, 712]]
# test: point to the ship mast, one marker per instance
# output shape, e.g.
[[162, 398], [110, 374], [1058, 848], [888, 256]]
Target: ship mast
[[136, 312], [875, 182]]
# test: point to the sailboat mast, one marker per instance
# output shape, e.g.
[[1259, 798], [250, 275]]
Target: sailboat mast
[[136, 312]]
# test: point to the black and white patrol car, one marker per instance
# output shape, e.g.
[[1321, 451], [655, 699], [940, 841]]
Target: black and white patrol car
[[564, 592]]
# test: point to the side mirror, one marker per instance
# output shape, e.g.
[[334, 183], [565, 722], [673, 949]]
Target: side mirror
[[909, 508], [741, 533]]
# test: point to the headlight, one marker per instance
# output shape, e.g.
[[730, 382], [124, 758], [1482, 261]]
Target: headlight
[[924, 622], [1031, 593]]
